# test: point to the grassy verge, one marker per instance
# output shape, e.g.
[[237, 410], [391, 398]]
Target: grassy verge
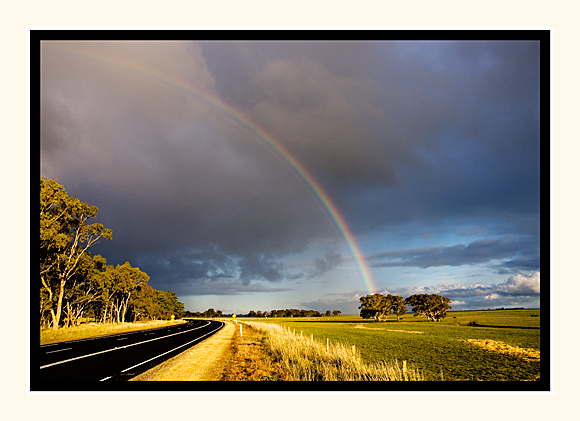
[[92, 330], [251, 359], [305, 359]]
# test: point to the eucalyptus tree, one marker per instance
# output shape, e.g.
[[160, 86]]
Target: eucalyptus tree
[[211, 312], [375, 306], [398, 307], [432, 306], [122, 282], [142, 304], [82, 293], [66, 235]]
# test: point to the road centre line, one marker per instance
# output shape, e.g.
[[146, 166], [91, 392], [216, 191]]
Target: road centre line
[[119, 347], [160, 355]]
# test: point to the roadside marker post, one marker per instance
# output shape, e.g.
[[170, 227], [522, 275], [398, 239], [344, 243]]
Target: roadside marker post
[[241, 330]]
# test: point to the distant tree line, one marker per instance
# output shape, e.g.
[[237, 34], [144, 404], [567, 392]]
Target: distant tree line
[[274, 313], [209, 313], [76, 286], [292, 312], [379, 306]]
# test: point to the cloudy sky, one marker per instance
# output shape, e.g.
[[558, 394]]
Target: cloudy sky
[[236, 173]]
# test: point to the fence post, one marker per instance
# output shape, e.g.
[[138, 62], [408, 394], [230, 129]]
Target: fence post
[[241, 330]]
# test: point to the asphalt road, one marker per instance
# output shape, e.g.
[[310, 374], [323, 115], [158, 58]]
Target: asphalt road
[[116, 357]]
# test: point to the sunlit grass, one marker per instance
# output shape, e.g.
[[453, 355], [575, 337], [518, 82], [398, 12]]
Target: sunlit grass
[[305, 359]]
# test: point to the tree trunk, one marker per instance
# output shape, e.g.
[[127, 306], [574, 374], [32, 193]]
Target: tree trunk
[[125, 305], [118, 311], [53, 317], [68, 314], [47, 288], [56, 318]]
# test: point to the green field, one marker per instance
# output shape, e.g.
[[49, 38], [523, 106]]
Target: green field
[[440, 349]]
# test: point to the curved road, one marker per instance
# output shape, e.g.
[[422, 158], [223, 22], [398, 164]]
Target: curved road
[[115, 357]]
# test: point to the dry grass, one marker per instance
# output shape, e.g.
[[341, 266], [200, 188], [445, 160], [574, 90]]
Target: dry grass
[[92, 330], [503, 348], [304, 359], [250, 360]]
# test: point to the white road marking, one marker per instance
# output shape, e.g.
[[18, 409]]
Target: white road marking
[[102, 337], [58, 350], [121, 347], [160, 355]]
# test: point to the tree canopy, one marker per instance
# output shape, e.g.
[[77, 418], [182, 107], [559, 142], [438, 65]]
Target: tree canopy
[[77, 285], [432, 306], [65, 237], [379, 306]]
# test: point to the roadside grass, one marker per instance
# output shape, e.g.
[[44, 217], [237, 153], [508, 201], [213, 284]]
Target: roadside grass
[[450, 349], [305, 359], [92, 330], [251, 360]]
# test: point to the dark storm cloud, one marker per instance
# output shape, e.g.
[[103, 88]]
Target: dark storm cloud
[[167, 172], [258, 266], [183, 265], [476, 252], [221, 287], [325, 264], [450, 128], [395, 132]]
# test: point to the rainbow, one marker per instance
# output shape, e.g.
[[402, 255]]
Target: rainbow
[[268, 141]]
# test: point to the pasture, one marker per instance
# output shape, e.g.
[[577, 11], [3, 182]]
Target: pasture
[[498, 345]]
